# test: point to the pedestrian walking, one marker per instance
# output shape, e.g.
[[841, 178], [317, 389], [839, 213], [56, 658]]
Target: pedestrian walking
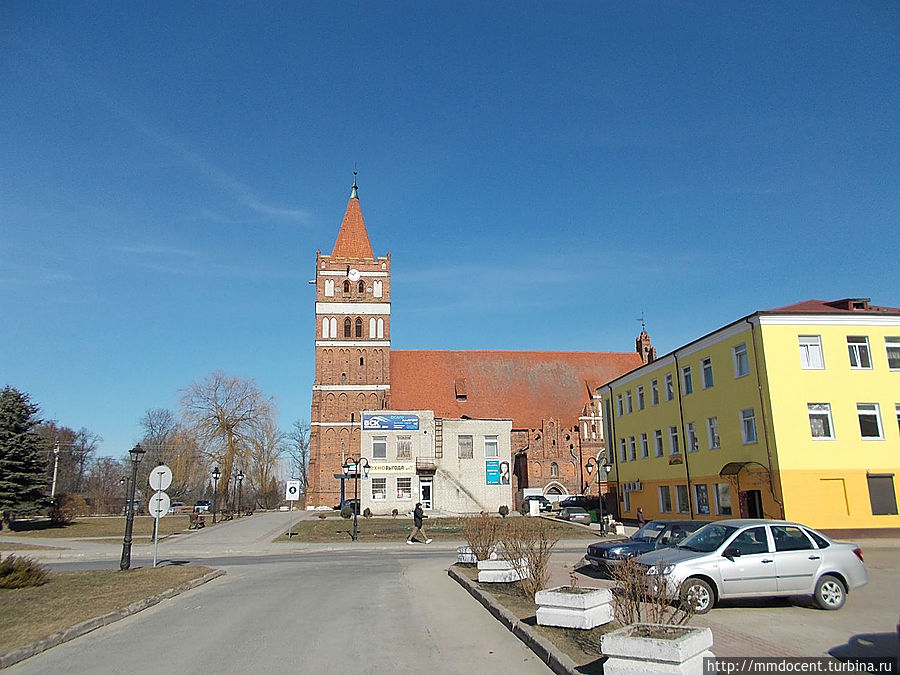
[[419, 521], [640, 515]]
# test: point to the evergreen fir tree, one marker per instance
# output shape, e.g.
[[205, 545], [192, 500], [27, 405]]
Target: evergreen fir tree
[[23, 477]]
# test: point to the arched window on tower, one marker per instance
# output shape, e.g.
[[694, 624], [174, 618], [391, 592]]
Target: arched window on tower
[[324, 326], [346, 287], [372, 332], [380, 328], [333, 324], [347, 328], [329, 288], [361, 287], [376, 289], [554, 469], [358, 327]]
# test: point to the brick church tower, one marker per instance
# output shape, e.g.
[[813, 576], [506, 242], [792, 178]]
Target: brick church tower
[[353, 347]]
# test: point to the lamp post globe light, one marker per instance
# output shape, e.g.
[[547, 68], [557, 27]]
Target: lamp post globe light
[[351, 470], [240, 483], [137, 452], [216, 475]]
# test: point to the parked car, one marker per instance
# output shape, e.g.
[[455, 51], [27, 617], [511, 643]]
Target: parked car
[[545, 504], [176, 507], [756, 558], [202, 505], [654, 535], [574, 514], [580, 501]]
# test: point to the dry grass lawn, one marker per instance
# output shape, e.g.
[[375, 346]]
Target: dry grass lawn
[[98, 527], [30, 614]]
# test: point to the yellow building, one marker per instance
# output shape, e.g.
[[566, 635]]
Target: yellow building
[[786, 413]]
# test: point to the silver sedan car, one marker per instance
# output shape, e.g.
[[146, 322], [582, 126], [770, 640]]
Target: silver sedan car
[[756, 558]]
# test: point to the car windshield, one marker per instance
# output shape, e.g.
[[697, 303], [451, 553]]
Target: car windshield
[[649, 532], [708, 538]]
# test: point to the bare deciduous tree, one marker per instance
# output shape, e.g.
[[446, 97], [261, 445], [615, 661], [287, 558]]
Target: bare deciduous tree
[[76, 451], [298, 450], [266, 449]]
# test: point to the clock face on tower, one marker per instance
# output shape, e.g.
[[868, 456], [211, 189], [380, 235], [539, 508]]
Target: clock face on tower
[[353, 275]]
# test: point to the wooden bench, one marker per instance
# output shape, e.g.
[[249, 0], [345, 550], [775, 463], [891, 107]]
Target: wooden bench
[[197, 521], [226, 515]]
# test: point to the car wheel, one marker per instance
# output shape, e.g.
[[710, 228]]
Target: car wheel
[[698, 594], [830, 593]]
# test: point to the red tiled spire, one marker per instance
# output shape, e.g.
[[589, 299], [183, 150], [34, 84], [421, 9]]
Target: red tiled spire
[[353, 239]]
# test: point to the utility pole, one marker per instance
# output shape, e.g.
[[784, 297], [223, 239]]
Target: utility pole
[[55, 468]]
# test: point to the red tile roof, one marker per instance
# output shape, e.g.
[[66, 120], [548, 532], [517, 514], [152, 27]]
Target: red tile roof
[[353, 239], [843, 306], [526, 387]]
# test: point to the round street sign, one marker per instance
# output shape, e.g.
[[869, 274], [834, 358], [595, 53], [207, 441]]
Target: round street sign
[[159, 504], [160, 477], [293, 490]]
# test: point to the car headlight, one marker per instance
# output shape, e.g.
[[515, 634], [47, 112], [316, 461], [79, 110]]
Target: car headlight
[[660, 569]]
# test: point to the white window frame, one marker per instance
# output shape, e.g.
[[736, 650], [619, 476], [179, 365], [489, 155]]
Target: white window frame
[[629, 404], [674, 448], [620, 408], [690, 438], [871, 409], [654, 392], [712, 433], [665, 505], [820, 410], [720, 502], [623, 451], [687, 383], [892, 351], [404, 480], [645, 446], [492, 447], [859, 352], [707, 373], [670, 387], [682, 499], [741, 360], [640, 397], [379, 488], [812, 355], [658, 442], [379, 447], [626, 501], [748, 426], [632, 449]]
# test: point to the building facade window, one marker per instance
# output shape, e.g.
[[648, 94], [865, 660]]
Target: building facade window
[[632, 449], [379, 447], [491, 447], [348, 327], [723, 499], [820, 423], [379, 488], [706, 365], [404, 488], [626, 501], [748, 426], [701, 500], [670, 387], [858, 347], [645, 447], [691, 442], [882, 496], [712, 433], [658, 441], [623, 452], [741, 362], [404, 447], [654, 392], [465, 445], [359, 327], [329, 288], [665, 499], [377, 287], [620, 408], [554, 470], [869, 420], [681, 499], [687, 385], [628, 403], [892, 347], [811, 355], [673, 441], [640, 397]]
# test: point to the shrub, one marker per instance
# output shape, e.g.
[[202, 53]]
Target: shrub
[[636, 601], [526, 545], [21, 572], [346, 512], [481, 534], [504, 510], [367, 513], [394, 513], [321, 516]]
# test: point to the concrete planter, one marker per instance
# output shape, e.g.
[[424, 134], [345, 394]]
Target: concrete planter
[[657, 649], [465, 555], [498, 571], [583, 608]]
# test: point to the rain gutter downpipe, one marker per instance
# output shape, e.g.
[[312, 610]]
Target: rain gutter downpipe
[[687, 469]]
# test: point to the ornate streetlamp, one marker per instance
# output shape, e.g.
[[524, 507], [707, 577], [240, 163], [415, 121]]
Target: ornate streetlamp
[[216, 475], [240, 483], [603, 466], [136, 453], [351, 470]]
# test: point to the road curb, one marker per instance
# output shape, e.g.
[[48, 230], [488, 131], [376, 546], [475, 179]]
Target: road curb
[[79, 629], [558, 662]]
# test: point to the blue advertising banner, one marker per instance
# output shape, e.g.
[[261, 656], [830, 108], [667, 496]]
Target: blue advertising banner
[[389, 422], [492, 471]]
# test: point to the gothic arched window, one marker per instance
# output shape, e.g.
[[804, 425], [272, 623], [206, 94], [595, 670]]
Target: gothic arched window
[[347, 325], [554, 469], [362, 287], [358, 327], [376, 289], [346, 287]]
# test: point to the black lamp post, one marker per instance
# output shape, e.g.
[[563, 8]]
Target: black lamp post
[[240, 483], [603, 467], [216, 475], [136, 453], [351, 470]]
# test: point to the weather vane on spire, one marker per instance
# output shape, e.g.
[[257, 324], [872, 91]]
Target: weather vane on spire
[[354, 188], [641, 319]]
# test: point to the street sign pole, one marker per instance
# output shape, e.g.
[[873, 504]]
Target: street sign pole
[[292, 494], [156, 531], [160, 478]]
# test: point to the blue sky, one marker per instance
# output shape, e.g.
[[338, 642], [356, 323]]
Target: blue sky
[[542, 174]]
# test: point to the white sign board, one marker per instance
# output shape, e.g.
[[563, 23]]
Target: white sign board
[[160, 477], [159, 504], [293, 490]]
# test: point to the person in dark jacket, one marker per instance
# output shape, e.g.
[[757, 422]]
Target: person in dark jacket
[[419, 521]]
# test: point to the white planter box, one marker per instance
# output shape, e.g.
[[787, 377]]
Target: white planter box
[[681, 652], [464, 554], [585, 608], [498, 571]]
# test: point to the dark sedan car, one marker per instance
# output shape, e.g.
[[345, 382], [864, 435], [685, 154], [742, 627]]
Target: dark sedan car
[[654, 535]]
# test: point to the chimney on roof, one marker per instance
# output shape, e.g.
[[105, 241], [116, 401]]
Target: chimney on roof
[[644, 348]]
